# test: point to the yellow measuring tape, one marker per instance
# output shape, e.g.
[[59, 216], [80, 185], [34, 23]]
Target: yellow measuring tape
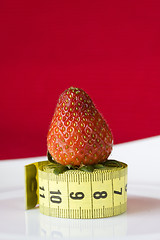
[[76, 194]]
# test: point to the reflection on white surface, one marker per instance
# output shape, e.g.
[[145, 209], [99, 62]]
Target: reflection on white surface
[[58, 228]]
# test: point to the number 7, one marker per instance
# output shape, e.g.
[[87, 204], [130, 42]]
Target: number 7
[[118, 192]]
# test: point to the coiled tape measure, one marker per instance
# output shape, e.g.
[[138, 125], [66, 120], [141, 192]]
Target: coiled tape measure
[[76, 194]]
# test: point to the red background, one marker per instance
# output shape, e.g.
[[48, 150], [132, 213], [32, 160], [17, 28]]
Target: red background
[[111, 49]]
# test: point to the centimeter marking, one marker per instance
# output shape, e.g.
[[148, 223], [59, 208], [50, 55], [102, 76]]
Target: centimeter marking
[[112, 197], [68, 199], [91, 195]]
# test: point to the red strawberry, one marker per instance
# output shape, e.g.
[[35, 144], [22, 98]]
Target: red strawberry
[[78, 133]]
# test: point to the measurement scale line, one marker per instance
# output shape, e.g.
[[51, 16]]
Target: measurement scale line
[[113, 197], [91, 195], [58, 211], [78, 179], [68, 197], [80, 213], [124, 191], [102, 177], [49, 195]]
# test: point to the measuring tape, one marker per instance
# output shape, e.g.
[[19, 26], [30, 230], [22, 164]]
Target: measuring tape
[[76, 194]]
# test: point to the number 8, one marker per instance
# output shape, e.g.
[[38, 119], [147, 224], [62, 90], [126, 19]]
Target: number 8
[[98, 195]]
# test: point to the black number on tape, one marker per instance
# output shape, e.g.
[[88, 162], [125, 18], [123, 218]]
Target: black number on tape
[[42, 195], [41, 188], [55, 198], [98, 195], [126, 188], [118, 192], [77, 195]]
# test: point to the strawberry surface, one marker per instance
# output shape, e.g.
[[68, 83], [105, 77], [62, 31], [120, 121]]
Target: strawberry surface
[[78, 134]]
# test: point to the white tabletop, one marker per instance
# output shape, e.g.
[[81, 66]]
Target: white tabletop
[[141, 221]]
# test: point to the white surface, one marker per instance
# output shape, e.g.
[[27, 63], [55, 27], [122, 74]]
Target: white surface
[[141, 221]]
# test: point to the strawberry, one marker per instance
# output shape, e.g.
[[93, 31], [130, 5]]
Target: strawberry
[[78, 134]]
